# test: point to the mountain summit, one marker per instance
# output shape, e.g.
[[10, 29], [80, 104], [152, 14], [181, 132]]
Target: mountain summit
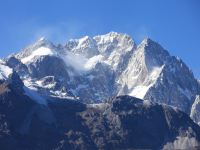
[[102, 92], [94, 69]]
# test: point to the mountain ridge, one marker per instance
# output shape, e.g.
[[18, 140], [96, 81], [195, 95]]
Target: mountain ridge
[[123, 122], [104, 92], [95, 69]]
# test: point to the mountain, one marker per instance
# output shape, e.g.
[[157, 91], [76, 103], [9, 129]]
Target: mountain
[[122, 122], [155, 75], [94, 69], [75, 96], [5, 71], [75, 68], [195, 110]]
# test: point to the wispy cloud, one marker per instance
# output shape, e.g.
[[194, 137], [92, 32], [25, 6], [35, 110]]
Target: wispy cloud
[[142, 32], [58, 32]]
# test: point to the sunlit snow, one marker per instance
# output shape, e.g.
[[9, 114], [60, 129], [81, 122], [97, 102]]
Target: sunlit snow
[[5, 71], [42, 51], [33, 94], [141, 90]]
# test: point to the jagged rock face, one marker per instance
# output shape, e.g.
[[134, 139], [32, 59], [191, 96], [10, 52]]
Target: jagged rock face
[[86, 68], [157, 121], [95, 69], [44, 90], [5, 71], [121, 123], [48, 66], [195, 110], [175, 86], [85, 46], [13, 109], [155, 75], [22, 69]]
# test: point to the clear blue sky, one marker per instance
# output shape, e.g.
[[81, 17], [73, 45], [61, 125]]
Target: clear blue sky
[[175, 24]]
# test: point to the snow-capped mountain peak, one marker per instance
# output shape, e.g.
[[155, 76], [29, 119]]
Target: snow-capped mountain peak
[[48, 80], [42, 39], [41, 43], [114, 41], [154, 53], [99, 67], [41, 51], [85, 46]]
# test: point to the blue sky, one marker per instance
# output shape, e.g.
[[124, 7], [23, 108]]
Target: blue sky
[[175, 24]]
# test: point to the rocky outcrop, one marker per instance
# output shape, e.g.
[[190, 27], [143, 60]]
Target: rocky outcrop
[[122, 122], [195, 110]]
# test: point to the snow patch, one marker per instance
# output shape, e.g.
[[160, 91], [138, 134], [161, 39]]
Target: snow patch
[[33, 94], [48, 86], [141, 90], [82, 42], [147, 103], [182, 143], [42, 51], [195, 110], [5, 71], [98, 106]]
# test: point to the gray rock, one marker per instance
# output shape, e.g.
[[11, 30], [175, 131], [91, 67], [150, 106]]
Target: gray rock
[[195, 110], [94, 69]]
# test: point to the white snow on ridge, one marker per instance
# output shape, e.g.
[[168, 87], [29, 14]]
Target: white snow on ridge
[[81, 42], [31, 92], [5, 71], [99, 106], [82, 63], [186, 142], [141, 90], [42, 51], [195, 110], [135, 68]]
